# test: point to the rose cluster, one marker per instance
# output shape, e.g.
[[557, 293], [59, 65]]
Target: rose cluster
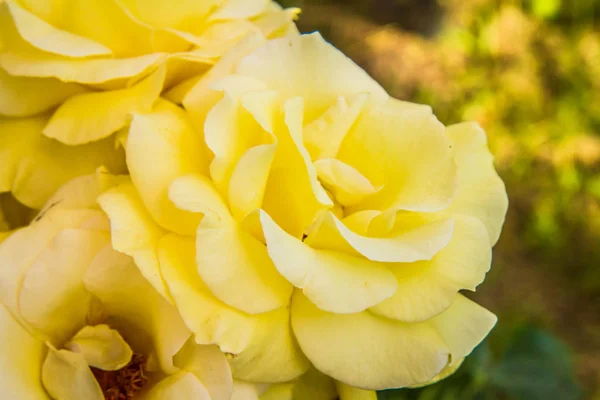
[[201, 203]]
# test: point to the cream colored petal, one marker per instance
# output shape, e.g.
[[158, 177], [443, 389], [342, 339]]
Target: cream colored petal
[[482, 193], [21, 97], [209, 365], [420, 242], [402, 147], [90, 117], [426, 288], [151, 325], [67, 376], [324, 136], [334, 281], [167, 138], [101, 347], [262, 346], [294, 66], [21, 359], [180, 386], [234, 9], [367, 351], [237, 269], [351, 393], [196, 193], [46, 37], [463, 326], [249, 180], [33, 167], [371, 223], [59, 310], [347, 184], [293, 196]]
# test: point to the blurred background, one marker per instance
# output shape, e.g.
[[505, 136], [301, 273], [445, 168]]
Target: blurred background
[[529, 72]]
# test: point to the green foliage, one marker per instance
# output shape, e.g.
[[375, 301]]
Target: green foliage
[[536, 366]]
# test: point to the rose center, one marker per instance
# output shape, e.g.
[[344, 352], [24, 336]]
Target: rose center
[[124, 383]]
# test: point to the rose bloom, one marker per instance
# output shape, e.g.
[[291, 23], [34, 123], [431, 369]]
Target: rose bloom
[[73, 71], [79, 321], [296, 215]]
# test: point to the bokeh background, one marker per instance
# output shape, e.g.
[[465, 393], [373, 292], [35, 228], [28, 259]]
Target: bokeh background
[[529, 72]]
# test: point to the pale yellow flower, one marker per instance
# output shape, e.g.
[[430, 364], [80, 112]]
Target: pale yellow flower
[[75, 70], [77, 314], [297, 215]]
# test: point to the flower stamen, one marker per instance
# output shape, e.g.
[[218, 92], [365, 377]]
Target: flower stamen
[[124, 383]]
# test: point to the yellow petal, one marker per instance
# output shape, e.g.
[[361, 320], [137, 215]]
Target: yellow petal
[[46, 37], [446, 372], [314, 385], [150, 324], [463, 326], [229, 132], [244, 391], [101, 347], [33, 167], [293, 196], [196, 193], [182, 385], [262, 346], [67, 376], [21, 358], [209, 365], [367, 351], [21, 97], [324, 136], [426, 288], [90, 117], [134, 232], [402, 147], [82, 192], [60, 310], [411, 243], [238, 9], [23, 60], [277, 21], [282, 64], [161, 14], [347, 184], [113, 26], [167, 137], [21, 249], [237, 269], [199, 97], [482, 193], [351, 393], [280, 391], [249, 180], [334, 281]]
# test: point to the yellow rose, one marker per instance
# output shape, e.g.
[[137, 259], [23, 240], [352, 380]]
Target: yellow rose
[[79, 321], [73, 71], [311, 219]]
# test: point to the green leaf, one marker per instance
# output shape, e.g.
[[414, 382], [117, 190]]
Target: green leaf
[[536, 367]]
